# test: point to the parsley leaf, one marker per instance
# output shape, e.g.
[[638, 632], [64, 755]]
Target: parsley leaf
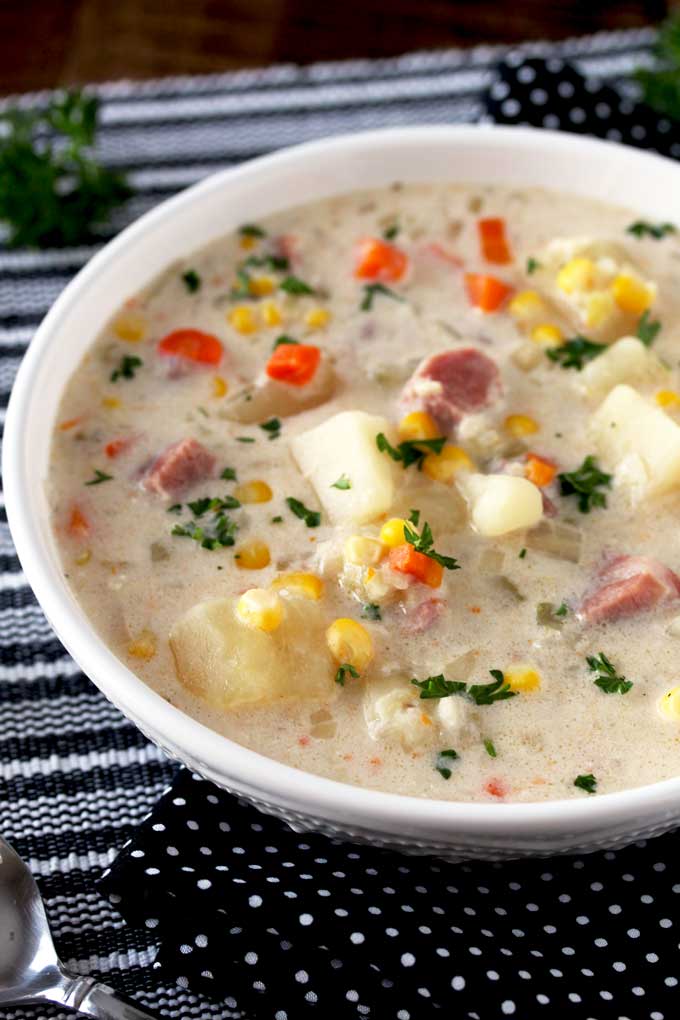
[[371, 611], [547, 615], [414, 517], [251, 230], [283, 339], [296, 286], [99, 477], [641, 228], [482, 694], [661, 85], [575, 352], [607, 679], [273, 427], [191, 280], [411, 451], [344, 670], [389, 233], [439, 687], [587, 782], [522, 554], [584, 483], [370, 292], [423, 544], [343, 482], [218, 532], [444, 758], [647, 331], [312, 518], [490, 749], [229, 474], [532, 265], [277, 520], [129, 363], [244, 439]]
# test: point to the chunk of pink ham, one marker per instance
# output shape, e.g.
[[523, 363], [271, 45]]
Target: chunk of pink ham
[[451, 384], [629, 585], [178, 467], [424, 616]]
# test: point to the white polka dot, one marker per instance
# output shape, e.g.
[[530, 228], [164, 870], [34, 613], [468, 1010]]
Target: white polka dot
[[659, 866], [357, 938], [568, 951], [492, 975], [565, 89], [341, 912], [633, 933], [151, 922], [582, 919], [311, 997], [306, 920], [179, 801], [255, 901], [192, 825], [603, 110], [555, 65], [151, 871], [172, 851], [212, 799], [637, 990], [352, 995], [606, 995], [302, 977], [137, 853], [403, 1015], [619, 966], [458, 983], [543, 999], [204, 883], [251, 958], [407, 959], [652, 958], [158, 827], [507, 1007], [185, 949], [574, 997], [577, 115], [440, 951], [549, 929], [474, 950], [551, 121], [600, 943], [615, 908], [532, 907], [510, 107], [201, 941], [665, 922], [670, 981], [524, 974], [526, 74], [646, 898]]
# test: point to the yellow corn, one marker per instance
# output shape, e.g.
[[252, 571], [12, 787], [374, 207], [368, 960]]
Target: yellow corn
[[130, 327], [111, 403], [631, 295], [392, 532], [253, 555], [143, 646], [418, 425], [219, 386], [82, 558], [669, 704], [297, 583], [444, 466], [522, 677], [667, 398], [242, 319], [247, 242], [317, 318], [261, 286], [520, 425], [260, 609], [526, 305], [599, 308], [271, 314], [253, 492], [362, 551], [576, 275], [349, 642], [547, 335]]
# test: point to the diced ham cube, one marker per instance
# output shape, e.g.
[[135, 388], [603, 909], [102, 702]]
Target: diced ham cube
[[423, 616], [629, 585], [451, 384], [179, 466]]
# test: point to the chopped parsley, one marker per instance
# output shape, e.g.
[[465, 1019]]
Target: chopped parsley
[[346, 669], [490, 749], [424, 542], [584, 484], [283, 339], [129, 363], [370, 292], [312, 518], [229, 474], [549, 615], [411, 451], [661, 84], [277, 263], [251, 230], [218, 532], [562, 609], [587, 782], [576, 352], [294, 285], [444, 758], [642, 228], [244, 439], [439, 687], [414, 517], [343, 482], [389, 233], [532, 265], [191, 280], [277, 520], [99, 477], [647, 331], [607, 679], [201, 506], [522, 553], [371, 611], [481, 694], [273, 427]]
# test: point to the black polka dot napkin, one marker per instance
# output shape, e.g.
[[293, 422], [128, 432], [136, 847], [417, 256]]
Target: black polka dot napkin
[[279, 926]]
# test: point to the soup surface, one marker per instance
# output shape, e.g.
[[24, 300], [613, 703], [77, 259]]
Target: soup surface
[[387, 488]]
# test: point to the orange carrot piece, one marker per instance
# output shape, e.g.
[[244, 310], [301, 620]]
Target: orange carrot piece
[[539, 470], [407, 560], [378, 260], [486, 292], [294, 363], [192, 345], [78, 524], [71, 423], [116, 446], [493, 242], [496, 787]]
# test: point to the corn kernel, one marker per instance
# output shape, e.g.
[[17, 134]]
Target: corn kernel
[[297, 583], [632, 295], [526, 357], [317, 318], [243, 319], [82, 558], [112, 403], [526, 305], [667, 398], [520, 425], [130, 327], [522, 677], [271, 314], [247, 242], [444, 466], [392, 532], [599, 308], [418, 425], [253, 492], [261, 286], [260, 609], [253, 555], [362, 551], [143, 646], [669, 704], [349, 642], [547, 334], [219, 386], [576, 275]]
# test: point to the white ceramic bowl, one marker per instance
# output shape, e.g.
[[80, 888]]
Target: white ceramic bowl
[[649, 184]]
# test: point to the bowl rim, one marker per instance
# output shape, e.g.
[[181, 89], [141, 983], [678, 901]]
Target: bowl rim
[[235, 766]]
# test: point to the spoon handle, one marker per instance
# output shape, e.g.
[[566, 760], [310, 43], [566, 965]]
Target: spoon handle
[[100, 1002]]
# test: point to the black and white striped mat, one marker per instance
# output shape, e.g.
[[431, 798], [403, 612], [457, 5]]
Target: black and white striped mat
[[75, 777]]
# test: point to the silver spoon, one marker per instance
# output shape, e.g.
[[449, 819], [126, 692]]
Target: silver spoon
[[30, 971]]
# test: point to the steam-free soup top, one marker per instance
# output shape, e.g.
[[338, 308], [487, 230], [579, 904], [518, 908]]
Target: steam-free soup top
[[387, 488]]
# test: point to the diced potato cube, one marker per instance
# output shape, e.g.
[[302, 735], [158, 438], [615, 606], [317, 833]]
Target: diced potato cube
[[502, 503], [228, 664], [626, 427], [345, 445], [394, 713], [458, 720], [626, 361]]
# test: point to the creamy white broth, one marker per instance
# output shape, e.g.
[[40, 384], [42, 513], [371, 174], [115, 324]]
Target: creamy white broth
[[133, 577]]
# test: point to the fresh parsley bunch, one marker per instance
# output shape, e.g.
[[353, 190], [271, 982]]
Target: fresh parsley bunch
[[661, 86]]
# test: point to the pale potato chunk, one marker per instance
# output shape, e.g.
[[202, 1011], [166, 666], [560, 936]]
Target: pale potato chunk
[[502, 503], [394, 713], [627, 428], [626, 361], [228, 664], [345, 445]]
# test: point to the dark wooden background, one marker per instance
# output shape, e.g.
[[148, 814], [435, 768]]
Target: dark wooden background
[[54, 42]]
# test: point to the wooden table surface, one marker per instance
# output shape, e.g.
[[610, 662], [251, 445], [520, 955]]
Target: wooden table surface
[[45, 43]]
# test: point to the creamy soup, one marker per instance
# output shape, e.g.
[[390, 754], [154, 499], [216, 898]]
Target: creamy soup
[[387, 488]]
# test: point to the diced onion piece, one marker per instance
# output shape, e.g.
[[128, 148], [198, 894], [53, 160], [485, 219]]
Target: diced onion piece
[[502, 503], [563, 541]]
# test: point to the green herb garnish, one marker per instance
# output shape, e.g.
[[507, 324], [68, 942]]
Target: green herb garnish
[[312, 518], [490, 749], [607, 679], [201, 506], [277, 520], [273, 427], [129, 363], [641, 228], [575, 352], [587, 782], [244, 439], [522, 553], [411, 451], [532, 265], [389, 233], [294, 285], [443, 760], [371, 611], [229, 474], [277, 263], [99, 477], [373, 289], [424, 542], [481, 694], [647, 331], [192, 281], [216, 533], [251, 230], [343, 482], [344, 670], [661, 86], [283, 339], [547, 615], [439, 687], [414, 517], [584, 484]]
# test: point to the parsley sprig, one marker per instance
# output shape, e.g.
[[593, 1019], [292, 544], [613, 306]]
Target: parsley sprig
[[647, 331], [424, 542], [371, 290], [129, 364], [641, 228], [345, 670], [411, 451], [273, 427], [342, 483], [443, 762], [482, 694], [215, 533], [587, 782], [584, 483], [607, 679], [191, 280], [576, 352], [99, 477], [312, 518]]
